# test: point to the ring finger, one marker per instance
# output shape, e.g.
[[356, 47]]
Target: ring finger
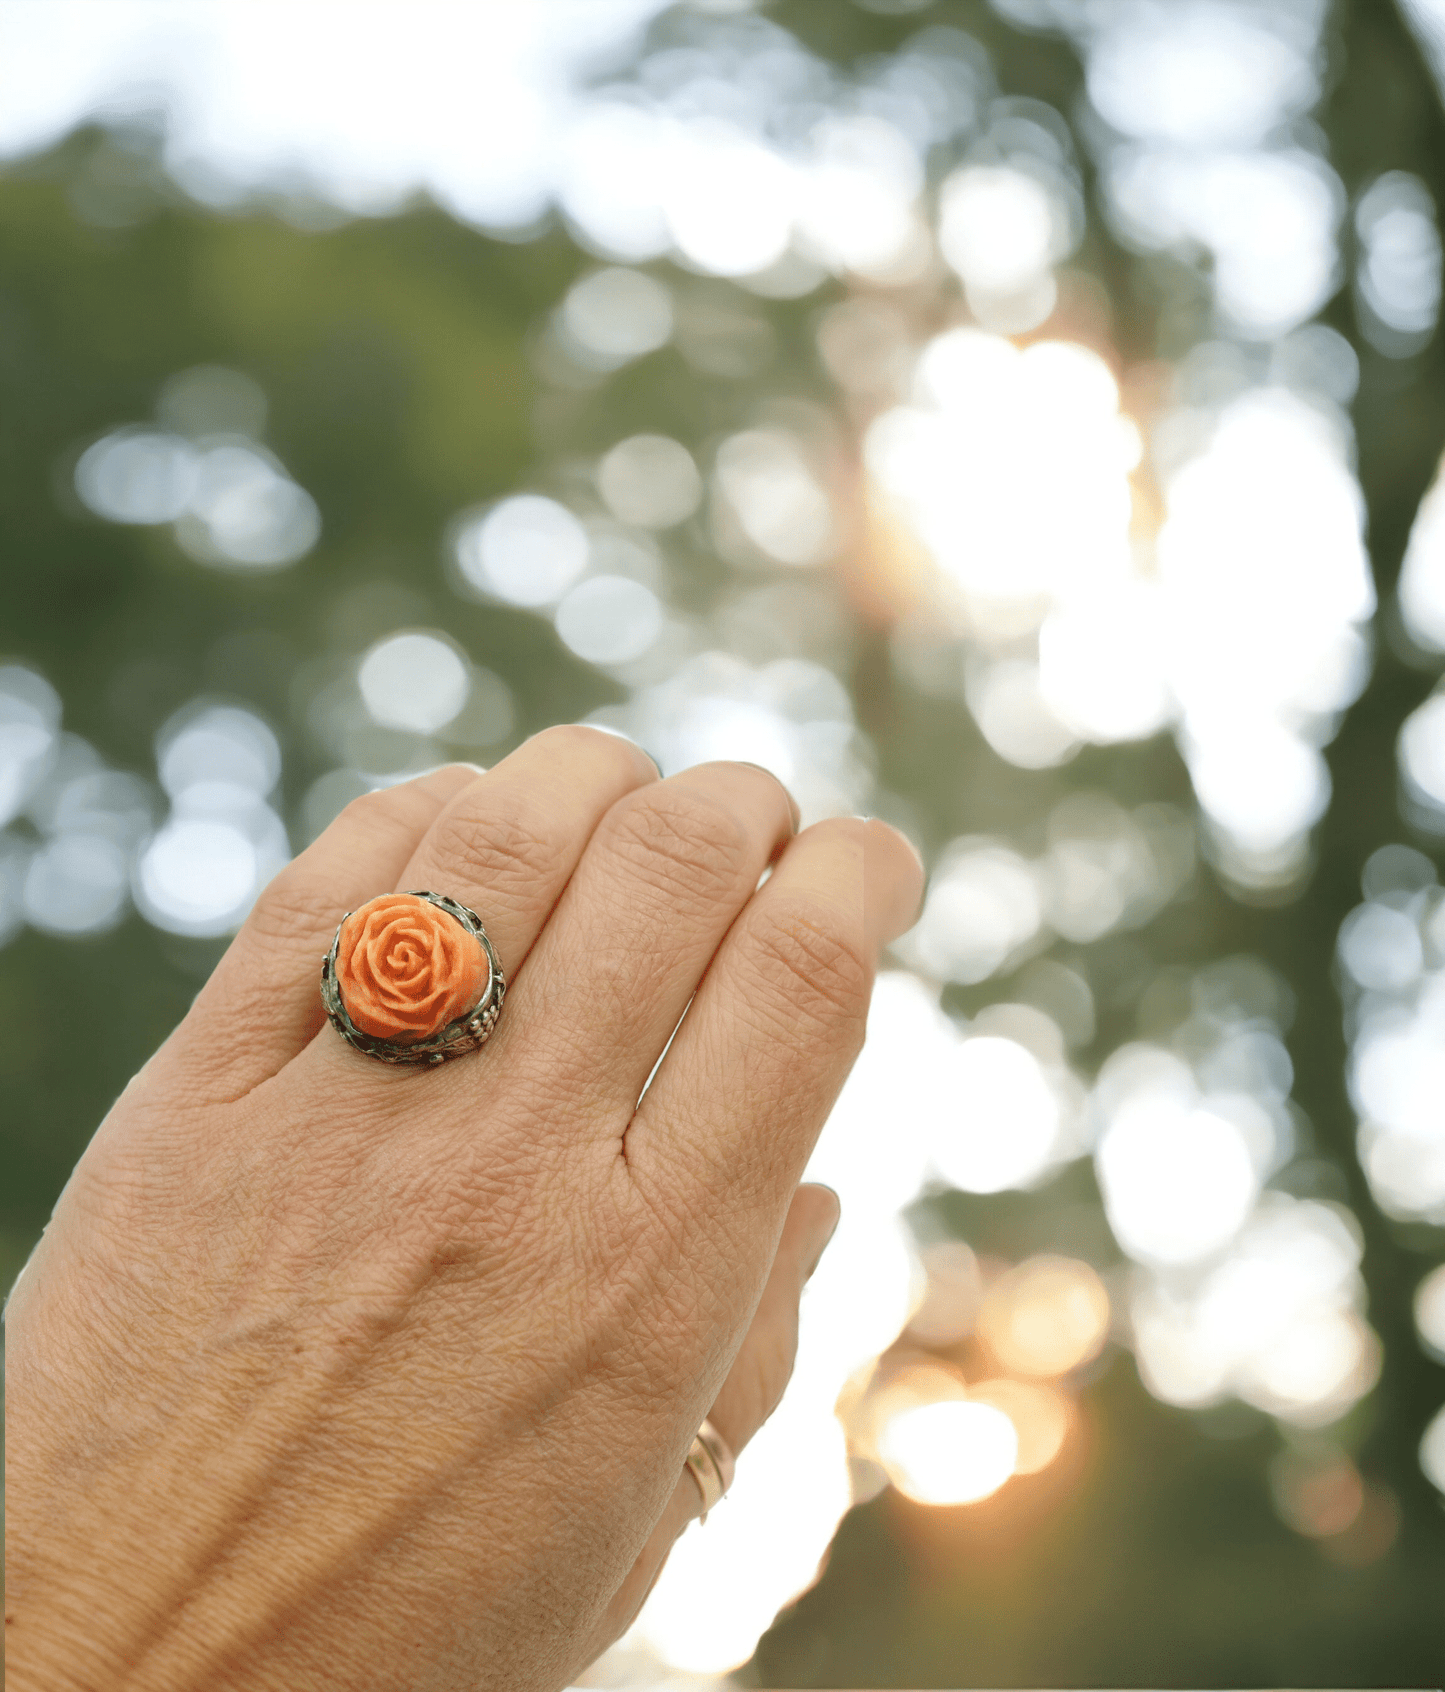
[[507, 846]]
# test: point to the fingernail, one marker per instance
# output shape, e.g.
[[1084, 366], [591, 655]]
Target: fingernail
[[893, 828], [440, 769], [823, 1236], [793, 810], [893, 884]]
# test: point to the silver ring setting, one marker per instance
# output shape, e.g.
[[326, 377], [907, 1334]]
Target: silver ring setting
[[463, 1034]]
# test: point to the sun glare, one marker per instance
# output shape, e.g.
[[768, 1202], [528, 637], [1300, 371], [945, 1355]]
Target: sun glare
[[953, 1452]]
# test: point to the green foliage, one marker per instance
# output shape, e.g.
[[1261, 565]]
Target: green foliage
[[398, 359]]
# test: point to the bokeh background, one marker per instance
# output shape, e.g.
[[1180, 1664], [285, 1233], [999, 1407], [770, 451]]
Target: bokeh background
[[1017, 420]]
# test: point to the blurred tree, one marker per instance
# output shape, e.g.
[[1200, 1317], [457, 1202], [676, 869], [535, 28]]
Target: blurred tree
[[406, 370]]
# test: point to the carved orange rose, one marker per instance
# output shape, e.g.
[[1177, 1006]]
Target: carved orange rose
[[406, 968]]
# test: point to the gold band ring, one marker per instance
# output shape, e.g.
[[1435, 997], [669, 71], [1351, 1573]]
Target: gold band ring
[[711, 1465]]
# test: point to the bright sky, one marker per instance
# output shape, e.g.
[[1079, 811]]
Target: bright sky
[[368, 100]]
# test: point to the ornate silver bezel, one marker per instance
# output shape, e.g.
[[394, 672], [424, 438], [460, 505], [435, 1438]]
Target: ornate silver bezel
[[465, 1034]]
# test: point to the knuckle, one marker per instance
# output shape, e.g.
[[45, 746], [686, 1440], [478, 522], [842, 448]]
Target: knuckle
[[682, 839], [799, 957], [449, 776], [497, 850], [766, 781], [397, 812], [292, 905]]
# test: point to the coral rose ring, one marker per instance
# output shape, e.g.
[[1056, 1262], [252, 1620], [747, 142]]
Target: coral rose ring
[[412, 978]]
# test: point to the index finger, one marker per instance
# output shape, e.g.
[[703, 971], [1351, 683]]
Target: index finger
[[721, 1136]]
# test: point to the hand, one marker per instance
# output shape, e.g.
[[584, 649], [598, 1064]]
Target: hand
[[332, 1373]]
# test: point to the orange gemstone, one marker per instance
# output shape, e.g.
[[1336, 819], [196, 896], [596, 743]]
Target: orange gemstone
[[405, 968]]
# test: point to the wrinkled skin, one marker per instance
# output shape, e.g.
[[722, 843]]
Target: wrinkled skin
[[329, 1373]]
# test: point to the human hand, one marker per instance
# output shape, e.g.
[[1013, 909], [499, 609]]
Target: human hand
[[332, 1373]]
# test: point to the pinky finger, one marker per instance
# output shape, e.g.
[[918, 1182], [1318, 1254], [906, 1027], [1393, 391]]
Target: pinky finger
[[752, 1391]]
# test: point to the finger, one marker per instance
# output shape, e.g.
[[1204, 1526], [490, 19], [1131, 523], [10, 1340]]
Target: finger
[[752, 1391], [764, 1364], [507, 844], [660, 883], [721, 1137], [262, 1004]]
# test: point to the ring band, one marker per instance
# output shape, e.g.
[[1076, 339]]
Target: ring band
[[711, 1465], [471, 1010]]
